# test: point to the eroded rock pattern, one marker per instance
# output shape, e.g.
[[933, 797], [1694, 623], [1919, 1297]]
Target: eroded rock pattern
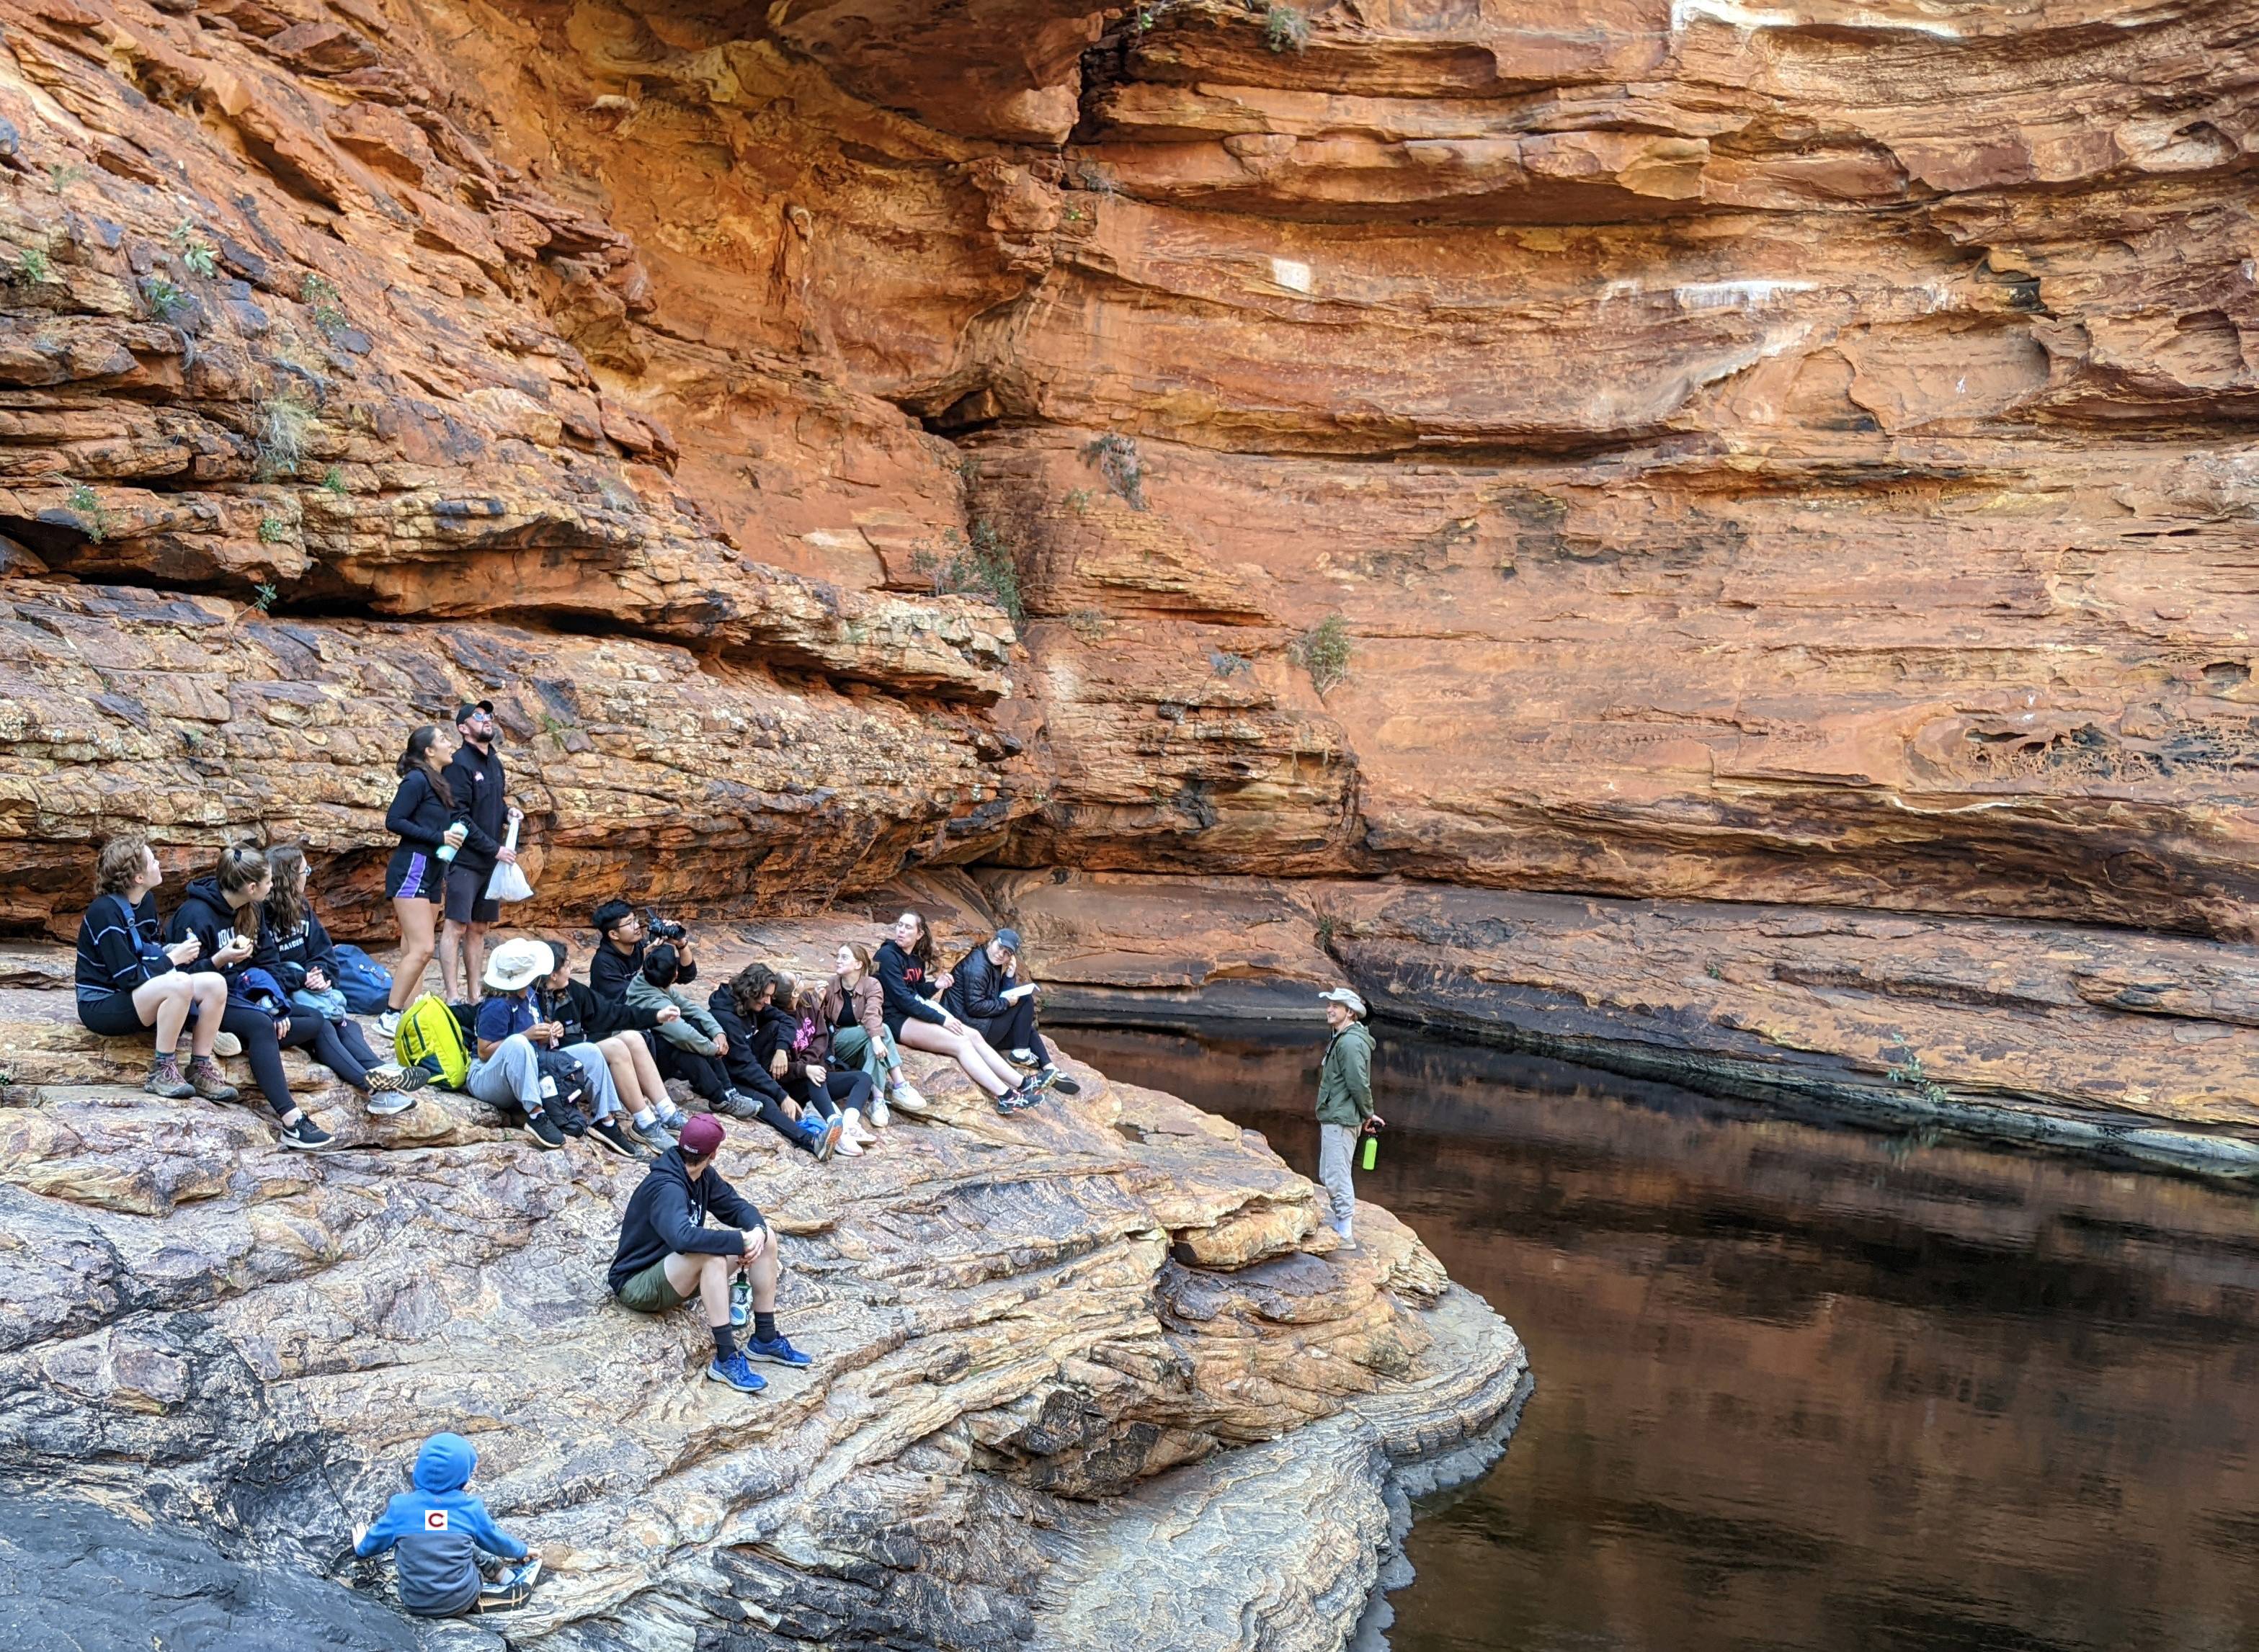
[[1019, 1323]]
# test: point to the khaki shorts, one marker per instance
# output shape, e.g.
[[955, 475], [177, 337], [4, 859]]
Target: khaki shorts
[[647, 1292]]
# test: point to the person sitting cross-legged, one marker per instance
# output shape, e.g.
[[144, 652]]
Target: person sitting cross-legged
[[667, 1255]]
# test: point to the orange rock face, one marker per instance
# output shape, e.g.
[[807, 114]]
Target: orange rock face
[[1675, 448]]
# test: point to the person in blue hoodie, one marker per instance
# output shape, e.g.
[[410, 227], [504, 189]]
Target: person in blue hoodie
[[439, 1530]]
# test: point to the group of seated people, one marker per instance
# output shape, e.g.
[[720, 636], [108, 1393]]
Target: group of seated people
[[242, 963]]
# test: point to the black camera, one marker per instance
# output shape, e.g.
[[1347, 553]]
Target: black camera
[[659, 928]]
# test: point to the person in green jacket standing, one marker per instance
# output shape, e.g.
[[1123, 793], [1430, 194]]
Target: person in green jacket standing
[[1344, 1100]]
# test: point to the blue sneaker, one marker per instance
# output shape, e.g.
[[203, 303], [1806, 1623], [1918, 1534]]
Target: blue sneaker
[[740, 1376], [780, 1352]]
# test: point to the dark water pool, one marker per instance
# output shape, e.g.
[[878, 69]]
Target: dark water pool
[[1802, 1386]]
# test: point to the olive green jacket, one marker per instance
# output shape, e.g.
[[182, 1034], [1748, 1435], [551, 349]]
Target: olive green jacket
[[1345, 1080]]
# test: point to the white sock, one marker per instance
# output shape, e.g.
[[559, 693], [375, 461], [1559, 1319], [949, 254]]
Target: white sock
[[646, 1119]]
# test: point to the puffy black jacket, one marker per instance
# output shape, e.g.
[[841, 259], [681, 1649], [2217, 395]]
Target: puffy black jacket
[[667, 1216], [976, 988], [908, 995], [477, 782], [587, 1016]]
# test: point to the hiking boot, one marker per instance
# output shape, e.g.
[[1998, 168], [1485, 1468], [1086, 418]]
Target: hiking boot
[[778, 1352], [209, 1081], [165, 1078], [741, 1303], [908, 1097], [740, 1376], [1060, 1082], [307, 1135], [544, 1133], [227, 1044], [607, 1133], [653, 1136]]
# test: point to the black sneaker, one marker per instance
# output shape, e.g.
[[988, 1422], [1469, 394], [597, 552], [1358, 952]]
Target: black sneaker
[[1061, 1082], [307, 1135], [538, 1126], [607, 1133]]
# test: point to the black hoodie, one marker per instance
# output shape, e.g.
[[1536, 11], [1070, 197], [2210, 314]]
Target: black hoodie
[[747, 1064], [203, 912], [910, 995], [667, 1216]]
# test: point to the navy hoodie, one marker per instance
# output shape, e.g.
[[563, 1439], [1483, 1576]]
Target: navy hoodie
[[203, 912], [439, 1528], [667, 1216]]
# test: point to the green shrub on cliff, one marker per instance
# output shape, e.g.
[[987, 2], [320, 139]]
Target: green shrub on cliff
[[1285, 29], [1324, 651], [985, 569]]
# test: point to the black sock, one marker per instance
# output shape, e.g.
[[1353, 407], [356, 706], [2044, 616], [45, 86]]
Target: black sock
[[764, 1327], [725, 1342]]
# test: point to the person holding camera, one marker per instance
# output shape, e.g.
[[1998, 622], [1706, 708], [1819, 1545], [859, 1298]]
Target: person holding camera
[[623, 938], [986, 994], [474, 779]]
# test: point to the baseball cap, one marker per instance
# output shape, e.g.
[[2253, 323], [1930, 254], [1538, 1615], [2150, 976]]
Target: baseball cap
[[1009, 938], [701, 1137], [1343, 996], [469, 710]]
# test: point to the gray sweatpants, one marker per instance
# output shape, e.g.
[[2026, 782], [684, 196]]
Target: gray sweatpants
[[511, 1077], [1336, 1149]]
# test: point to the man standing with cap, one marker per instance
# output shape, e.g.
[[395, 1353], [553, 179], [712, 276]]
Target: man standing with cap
[[667, 1255], [474, 780], [1344, 1099]]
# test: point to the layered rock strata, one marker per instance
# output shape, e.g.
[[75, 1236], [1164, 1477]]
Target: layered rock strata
[[2105, 1035], [1094, 1364]]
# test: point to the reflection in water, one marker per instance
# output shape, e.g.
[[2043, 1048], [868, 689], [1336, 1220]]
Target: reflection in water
[[1800, 1386]]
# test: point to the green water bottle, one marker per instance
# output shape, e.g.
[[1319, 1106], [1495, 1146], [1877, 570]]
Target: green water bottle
[[1371, 1152]]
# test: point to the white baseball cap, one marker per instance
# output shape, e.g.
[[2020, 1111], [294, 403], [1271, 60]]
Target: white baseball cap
[[1343, 996]]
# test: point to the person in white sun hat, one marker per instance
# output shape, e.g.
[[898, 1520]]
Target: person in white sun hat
[[1344, 1100]]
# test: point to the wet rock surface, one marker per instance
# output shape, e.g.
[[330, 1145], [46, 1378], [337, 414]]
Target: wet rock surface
[[1046, 1345]]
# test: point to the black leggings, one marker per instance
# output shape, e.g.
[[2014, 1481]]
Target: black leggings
[[256, 1029], [844, 1090], [339, 1046], [1014, 1029]]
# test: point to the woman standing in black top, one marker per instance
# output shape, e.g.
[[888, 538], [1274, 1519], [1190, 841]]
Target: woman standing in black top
[[421, 817]]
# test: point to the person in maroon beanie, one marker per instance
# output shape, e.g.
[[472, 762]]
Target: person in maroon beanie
[[667, 1255]]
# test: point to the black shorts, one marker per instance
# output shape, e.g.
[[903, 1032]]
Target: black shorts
[[112, 1016], [466, 901], [414, 874]]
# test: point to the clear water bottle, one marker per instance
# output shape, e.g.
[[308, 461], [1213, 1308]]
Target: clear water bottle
[[451, 843]]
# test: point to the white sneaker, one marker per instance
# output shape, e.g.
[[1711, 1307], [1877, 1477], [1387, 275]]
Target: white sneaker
[[226, 1043], [854, 1130], [906, 1096], [879, 1119], [388, 1025]]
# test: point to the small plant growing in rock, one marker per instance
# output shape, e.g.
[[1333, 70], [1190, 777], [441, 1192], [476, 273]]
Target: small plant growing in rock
[[272, 531], [198, 256], [1089, 624], [325, 304], [1325, 932], [83, 503], [262, 597], [1225, 664], [166, 299], [333, 480], [986, 568], [1285, 29], [1910, 1073], [1118, 461], [1324, 651], [1077, 500], [31, 267], [282, 427]]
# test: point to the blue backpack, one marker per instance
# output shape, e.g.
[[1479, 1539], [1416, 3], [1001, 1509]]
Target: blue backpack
[[367, 989]]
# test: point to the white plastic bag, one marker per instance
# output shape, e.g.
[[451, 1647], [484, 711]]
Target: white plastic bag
[[509, 881]]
